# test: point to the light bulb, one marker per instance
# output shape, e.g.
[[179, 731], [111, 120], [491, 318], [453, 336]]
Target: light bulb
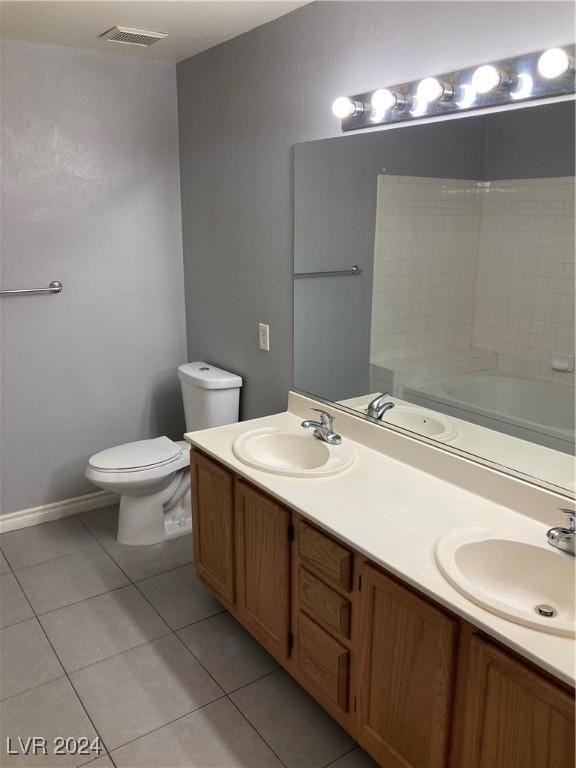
[[430, 89], [343, 107], [486, 78], [383, 100], [553, 63], [467, 96], [524, 87]]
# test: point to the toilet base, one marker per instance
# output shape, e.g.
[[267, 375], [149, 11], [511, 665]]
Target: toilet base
[[157, 517]]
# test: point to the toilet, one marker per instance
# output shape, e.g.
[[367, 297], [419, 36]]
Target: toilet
[[152, 476]]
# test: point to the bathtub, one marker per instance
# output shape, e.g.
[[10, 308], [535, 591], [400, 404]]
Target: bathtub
[[531, 409]]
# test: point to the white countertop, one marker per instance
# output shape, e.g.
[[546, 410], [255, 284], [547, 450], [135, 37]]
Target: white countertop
[[394, 513]]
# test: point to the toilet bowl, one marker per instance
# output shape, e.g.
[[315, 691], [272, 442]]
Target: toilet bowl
[[153, 481], [152, 476]]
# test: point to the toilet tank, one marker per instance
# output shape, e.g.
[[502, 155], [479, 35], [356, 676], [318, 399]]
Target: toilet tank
[[211, 396]]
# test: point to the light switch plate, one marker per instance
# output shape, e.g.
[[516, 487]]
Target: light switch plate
[[264, 337]]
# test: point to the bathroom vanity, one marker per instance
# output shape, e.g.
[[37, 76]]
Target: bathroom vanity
[[336, 577]]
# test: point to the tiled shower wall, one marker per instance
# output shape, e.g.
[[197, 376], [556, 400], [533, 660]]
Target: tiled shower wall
[[425, 258], [462, 264], [524, 303]]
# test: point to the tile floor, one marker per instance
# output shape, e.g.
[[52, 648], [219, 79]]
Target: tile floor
[[123, 643]]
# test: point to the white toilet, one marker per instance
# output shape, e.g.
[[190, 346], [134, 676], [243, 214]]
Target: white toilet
[[152, 476]]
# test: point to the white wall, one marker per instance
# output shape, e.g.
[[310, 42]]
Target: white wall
[[90, 197]]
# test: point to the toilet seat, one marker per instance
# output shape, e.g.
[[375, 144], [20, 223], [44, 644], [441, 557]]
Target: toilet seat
[[137, 456]]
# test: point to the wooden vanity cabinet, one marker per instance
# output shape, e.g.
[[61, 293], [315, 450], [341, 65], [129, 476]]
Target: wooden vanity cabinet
[[213, 525], [407, 675], [415, 685], [511, 716], [263, 532]]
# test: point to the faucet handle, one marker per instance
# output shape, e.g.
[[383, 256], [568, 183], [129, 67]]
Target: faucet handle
[[326, 419], [571, 517]]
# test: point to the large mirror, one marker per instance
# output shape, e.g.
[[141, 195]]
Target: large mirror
[[434, 283]]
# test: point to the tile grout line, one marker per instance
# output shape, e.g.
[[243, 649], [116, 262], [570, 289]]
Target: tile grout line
[[61, 557], [165, 725], [111, 555], [256, 731], [171, 631], [225, 694], [96, 731], [57, 557]]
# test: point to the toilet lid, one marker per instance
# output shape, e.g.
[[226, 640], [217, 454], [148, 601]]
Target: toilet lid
[[144, 453]]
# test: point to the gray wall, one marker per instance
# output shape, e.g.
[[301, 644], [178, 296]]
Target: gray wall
[[245, 103], [91, 198], [335, 186]]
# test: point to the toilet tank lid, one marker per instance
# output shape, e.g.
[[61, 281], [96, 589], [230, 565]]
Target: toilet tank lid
[[207, 376]]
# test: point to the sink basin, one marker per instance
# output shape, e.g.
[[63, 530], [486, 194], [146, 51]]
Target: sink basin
[[423, 422], [291, 453], [513, 579]]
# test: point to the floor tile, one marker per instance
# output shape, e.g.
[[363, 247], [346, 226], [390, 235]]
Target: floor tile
[[295, 727], [228, 652], [216, 736], [29, 546], [138, 562], [140, 690], [179, 597], [13, 604], [4, 567], [101, 627], [100, 762], [355, 759], [70, 579], [26, 658], [48, 711]]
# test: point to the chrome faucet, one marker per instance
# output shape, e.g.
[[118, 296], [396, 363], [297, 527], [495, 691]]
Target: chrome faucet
[[377, 407], [563, 538], [323, 429]]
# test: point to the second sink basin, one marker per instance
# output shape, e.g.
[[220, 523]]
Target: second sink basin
[[291, 453], [436, 425], [528, 583]]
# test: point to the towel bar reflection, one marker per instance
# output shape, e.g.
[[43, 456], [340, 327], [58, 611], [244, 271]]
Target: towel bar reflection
[[356, 270], [54, 287]]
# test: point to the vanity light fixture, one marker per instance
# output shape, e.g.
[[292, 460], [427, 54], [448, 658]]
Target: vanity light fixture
[[536, 75], [431, 89], [553, 63]]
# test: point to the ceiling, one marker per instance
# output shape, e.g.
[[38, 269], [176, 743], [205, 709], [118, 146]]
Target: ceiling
[[192, 26]]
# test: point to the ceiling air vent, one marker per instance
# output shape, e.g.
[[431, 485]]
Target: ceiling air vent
[[132, 36]]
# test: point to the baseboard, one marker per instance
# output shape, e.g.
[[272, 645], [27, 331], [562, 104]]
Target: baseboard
[[24, 518]]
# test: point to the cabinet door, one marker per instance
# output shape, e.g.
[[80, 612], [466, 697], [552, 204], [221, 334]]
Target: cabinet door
[[213, 525], [263, 568], [407, 675], [513, 716]]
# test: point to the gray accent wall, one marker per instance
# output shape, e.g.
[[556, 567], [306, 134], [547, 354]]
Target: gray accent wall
[[242, 107], [90, 197]]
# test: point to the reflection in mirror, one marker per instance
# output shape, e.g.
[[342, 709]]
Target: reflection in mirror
[[459, 325]]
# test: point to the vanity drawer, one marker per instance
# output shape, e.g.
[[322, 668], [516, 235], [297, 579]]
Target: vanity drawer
[[323, 661], [323, 604], [324, 556]]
